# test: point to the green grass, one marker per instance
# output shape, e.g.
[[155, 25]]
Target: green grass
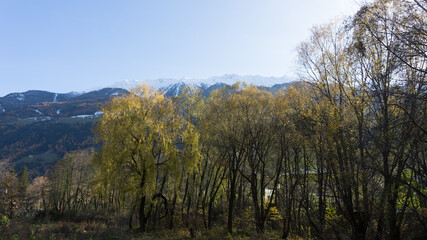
[[26, 121], [77, 120], [48, 157], [28, 228]]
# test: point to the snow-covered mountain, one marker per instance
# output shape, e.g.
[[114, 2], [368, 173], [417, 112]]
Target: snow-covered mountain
[[173, 86]]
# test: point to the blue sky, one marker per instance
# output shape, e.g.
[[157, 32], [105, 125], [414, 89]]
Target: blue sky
[[77, 45]]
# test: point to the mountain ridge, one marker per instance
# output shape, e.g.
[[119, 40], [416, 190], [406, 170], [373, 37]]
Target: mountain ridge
[[229, 79], [38, 127]]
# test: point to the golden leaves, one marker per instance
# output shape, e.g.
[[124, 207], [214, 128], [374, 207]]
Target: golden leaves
[[143, 134]]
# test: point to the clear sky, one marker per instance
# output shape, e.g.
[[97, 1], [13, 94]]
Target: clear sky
[[64, 45]]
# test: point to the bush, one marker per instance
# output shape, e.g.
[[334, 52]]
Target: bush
[[4, 222]]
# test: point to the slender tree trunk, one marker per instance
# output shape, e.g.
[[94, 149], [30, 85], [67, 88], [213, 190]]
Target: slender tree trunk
[[240, 196], [131, 217], [172, 210], [210, 207], [392, 222], [259, 224], [230, 210], [231, 199], [142, 215], [286, 228]]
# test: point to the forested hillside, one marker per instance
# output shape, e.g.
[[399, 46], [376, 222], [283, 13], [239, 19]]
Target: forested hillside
[[339, 155], [37, 128]]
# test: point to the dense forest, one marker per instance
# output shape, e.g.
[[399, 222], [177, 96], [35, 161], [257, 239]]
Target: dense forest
[[339, 155]]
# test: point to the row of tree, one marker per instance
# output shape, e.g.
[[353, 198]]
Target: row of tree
[[340, 154]]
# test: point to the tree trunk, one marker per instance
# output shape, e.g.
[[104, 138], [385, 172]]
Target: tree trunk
[[131, 217], [142, 216], [172, 211], [259, 225], [231, 201], [359, 227], [210, 207], [285, 230], [230, 212]]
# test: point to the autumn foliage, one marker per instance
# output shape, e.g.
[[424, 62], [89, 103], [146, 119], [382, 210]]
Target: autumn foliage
[[340, 154]]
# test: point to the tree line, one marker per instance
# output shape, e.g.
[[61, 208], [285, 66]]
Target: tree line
[[341, 154]]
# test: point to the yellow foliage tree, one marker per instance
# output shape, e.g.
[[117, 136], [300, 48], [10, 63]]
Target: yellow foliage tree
[[143, 138]]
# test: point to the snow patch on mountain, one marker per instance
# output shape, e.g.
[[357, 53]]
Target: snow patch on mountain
[[96, 114], [37, 111], [74, 94], [21, 97], [39, 119], [47, 118], [82, 116]]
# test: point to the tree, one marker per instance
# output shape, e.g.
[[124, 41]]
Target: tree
[[222, 123], [37, 193], [339, 89], [23, 182], [290, 107], [263, 168], [23, 179], [144, 139], [8, 190], [70, 184], [391, 38], [405, 23], [368, 78]]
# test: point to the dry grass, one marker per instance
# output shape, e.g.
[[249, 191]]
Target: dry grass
[[98, 229]]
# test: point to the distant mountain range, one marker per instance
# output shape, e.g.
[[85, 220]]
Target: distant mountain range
[[229, 79], [39, 105], [38, 127]]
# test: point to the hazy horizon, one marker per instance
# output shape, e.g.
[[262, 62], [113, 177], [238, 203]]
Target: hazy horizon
[[159, 83]]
